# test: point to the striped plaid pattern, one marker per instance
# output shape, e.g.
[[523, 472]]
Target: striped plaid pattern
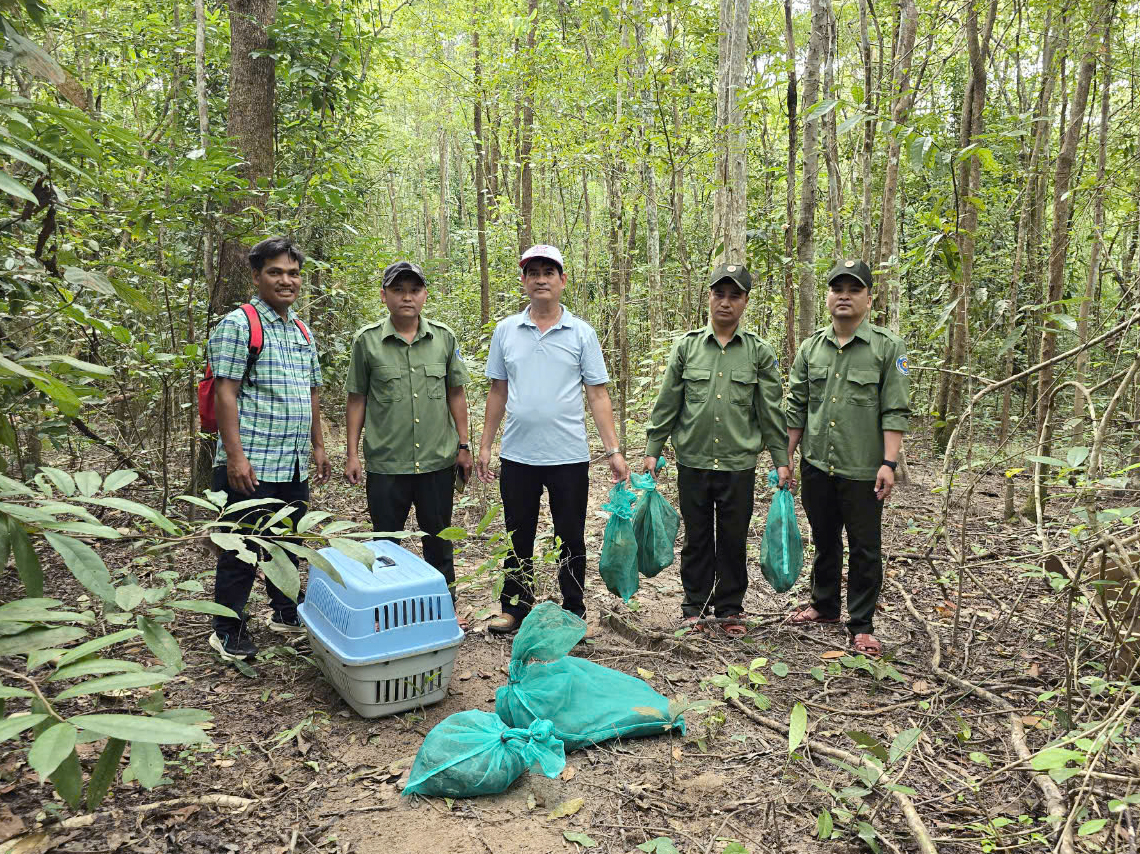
[[275, 409]]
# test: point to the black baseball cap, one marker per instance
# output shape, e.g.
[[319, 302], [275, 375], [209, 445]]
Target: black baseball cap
[[403, 268], [735, 273], [856, 269]]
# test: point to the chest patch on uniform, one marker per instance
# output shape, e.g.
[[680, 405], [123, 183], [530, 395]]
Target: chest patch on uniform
[[901, 365], [458, 355]]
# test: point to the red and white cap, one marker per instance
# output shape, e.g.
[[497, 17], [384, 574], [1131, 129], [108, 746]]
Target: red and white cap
[[542, 250]]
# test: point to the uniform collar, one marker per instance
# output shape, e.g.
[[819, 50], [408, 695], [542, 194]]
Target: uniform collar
[[710, 334], [862, 331], [389, 330], [563, 321], [267, 313]]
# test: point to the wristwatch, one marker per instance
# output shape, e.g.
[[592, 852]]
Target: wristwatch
[[463, 446], [610, 453], [891, 464]]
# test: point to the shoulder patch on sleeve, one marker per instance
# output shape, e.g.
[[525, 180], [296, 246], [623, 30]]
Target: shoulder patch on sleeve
[[901, 365]]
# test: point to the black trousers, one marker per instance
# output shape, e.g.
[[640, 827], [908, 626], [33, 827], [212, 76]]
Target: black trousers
[[390, 498], [716, 507], [233, 579], [833, 504], [521, 488]]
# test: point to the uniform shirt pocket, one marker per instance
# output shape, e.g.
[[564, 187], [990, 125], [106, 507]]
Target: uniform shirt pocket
[[387, 383], [743, 387], [817, 381], [863, 388], [696, 384], [436, 379]]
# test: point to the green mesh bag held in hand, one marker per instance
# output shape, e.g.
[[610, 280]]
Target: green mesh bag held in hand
[[655, 526], [587, 703], [618, 563], [782, 549], [474, 753]]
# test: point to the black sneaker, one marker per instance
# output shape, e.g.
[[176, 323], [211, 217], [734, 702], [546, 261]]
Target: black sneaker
[[233, 647], [286, 624]]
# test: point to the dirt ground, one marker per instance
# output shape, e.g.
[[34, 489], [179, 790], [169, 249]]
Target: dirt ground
[[317, 777]]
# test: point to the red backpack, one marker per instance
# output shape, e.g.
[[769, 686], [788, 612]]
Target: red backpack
[[206, 411]]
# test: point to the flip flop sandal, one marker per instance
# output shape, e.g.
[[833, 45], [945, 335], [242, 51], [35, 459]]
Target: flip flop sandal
[[734, 628], [693, 624], [800, 617], [867, 644]]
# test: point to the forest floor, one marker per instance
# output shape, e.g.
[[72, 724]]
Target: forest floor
[[317, 777]]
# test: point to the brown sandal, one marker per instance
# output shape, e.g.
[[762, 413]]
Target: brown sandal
[[734, 626], [694, 625], [867, 644], [809, 614]]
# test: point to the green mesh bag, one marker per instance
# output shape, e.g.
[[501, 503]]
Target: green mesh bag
[[781, 549], [618, 563], [655, 525], [474, 753], [587, 703]]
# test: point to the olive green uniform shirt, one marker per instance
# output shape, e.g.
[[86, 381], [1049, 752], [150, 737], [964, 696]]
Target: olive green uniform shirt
[[408, 428], [843, 398], [721, 405]]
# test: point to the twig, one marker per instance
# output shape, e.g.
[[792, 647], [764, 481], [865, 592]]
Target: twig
[[913, 819], [229, 801]]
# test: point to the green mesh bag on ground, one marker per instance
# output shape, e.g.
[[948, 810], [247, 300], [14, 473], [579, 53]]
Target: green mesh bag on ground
[[655, 525], [587, 703], [781, 549], [618, 563], [474, 753]]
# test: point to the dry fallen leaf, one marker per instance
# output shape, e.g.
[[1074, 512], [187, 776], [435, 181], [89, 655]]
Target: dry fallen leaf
[[531, 803], [1033, 671], [484, 674], [10, 824], [399, 765], [644, 674], [920, 686], [464, 676], [834, 653], [568, 773], [567, 808], [1030, 720], [677, 752]]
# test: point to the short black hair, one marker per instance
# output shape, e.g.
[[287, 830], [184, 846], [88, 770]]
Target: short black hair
[[271, 248]]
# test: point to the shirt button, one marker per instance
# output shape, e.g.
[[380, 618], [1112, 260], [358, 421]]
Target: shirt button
[[832, 400], [418, 420], [718, 397], [720, 373], [718, 418], [416, 395], [836, 376], [832, 424], [716, 441]]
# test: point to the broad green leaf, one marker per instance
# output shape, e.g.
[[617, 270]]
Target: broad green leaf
[[313, 517], [118, 682], [187, 716], [5, 540], [68, 780], [279, 569], [851, 122], [55, 360], [276, 518], [104, 772], [820, 110], [658, 845], [354, 550], [338, 527], [38, 638], [903, 742], [13, 725], [51, 747], [116, 480], [250, 503], [161, 643], [14, 188], [1046, 461], [1055, 757], [146, 763], [314, 558], [868, 834], [797, 726], [94, 667], [824, 825], [88, 482], [1075, 456], [140, 728], [137, 509], [23, 157], [64, 482], [10, 488], [1092, 826], [7, 692], [201, 606], [87, 567], [579, 837], [452, 534], [780, 669], [83, 529], [97, 644], [492, 513], [129, 596], [234, 543], [872, 744], [27, 561], [37, 658], [198, 502]]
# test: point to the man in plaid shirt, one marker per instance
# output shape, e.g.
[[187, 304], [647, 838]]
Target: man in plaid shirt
[[268, 417]]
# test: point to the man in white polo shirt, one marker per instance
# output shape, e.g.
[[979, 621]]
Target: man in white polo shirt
[[539, 361]]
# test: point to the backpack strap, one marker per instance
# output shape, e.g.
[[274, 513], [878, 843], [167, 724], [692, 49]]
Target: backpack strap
[[256, 339], [304, 330]]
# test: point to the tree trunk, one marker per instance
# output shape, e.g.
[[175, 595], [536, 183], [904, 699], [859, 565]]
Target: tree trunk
[[732, 140], [648, 175], [526, 141], [805, 225], [1080, 410], [250, 122], [395, 215], [868, 132], [1063, 206], [201, 450], [790, 199], [480, 182], [831, 139], [443, 224], [886, 262]]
